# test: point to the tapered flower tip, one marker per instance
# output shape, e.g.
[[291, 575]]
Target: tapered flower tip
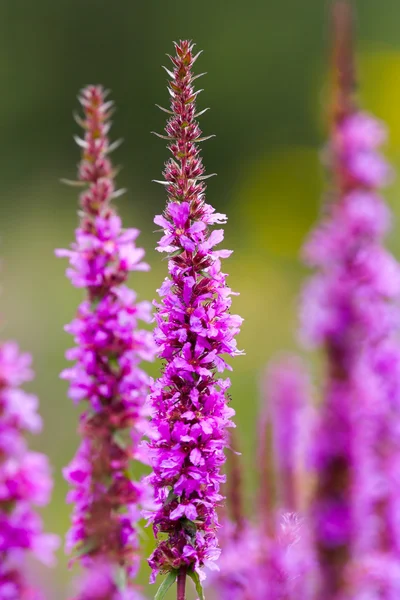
[[93, 94], [183, 47], [184, 53]]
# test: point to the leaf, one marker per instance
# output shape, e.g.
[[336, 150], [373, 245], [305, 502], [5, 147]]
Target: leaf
[[166, 584], [169, 73], [161, 182], [196, 57], [81, 122], [169, 112], [163, 137], [95, 303], [120, 579], [193, 97], [199, 588], [113, 363], [170, 498], [118, 193], [114, 146], [141, 532], [189, 526], [203, 139], [122, 438], [72, 183], [203, 177], [199, 75], [201, 112], [85, 548], [81, 143], [176, 253]]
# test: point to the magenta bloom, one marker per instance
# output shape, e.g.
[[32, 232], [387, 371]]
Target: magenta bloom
[[348, 310], [25, 479], [254, 566], [106, 375], [270, 557], [190, 412]]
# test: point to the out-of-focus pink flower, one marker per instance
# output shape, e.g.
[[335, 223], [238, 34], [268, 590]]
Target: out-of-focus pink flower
[[25, 479]]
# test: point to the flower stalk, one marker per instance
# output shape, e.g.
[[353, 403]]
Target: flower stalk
[[181, 584]]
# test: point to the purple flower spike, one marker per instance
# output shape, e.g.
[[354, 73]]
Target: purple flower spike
[[25, 479], [194, 328], [348, 310], [106, 375]]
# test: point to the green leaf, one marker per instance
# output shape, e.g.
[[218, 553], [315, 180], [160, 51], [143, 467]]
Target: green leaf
[[94, 304], [199, 588], [121, 579], [170, 498], [85, 547], [176, 253], [114, 364], [166, 584], [189, 526], [73, 183], [122, 438], [141, 532]]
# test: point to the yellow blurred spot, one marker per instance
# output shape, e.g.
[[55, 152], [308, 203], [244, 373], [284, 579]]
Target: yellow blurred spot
[[277, 200], [379, 81]]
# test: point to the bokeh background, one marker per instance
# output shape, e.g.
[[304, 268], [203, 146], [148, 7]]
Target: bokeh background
[[266, 84]]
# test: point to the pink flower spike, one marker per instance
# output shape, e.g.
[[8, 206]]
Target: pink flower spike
[[107, 376], [190, 414], [350, 309]]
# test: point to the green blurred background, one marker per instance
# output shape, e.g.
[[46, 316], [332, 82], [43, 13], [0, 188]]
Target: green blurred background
[[266, 84]]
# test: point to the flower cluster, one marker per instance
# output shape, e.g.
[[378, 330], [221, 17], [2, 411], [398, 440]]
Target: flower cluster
[[253, 566], [106, 375], [190, 414], [276, 548], [348, 309], [25, 479]]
